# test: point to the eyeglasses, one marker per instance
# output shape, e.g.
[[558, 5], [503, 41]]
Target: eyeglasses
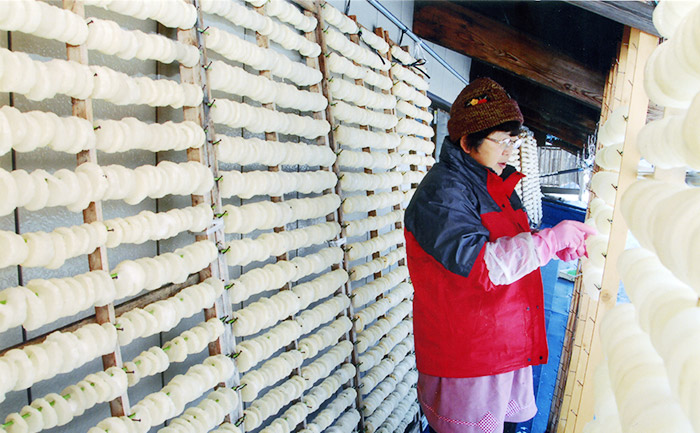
[[512, 142]]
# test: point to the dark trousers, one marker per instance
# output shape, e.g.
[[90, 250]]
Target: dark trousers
[[508, 427]]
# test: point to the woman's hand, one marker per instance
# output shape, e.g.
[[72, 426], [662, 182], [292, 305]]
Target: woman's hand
[[566, 240]]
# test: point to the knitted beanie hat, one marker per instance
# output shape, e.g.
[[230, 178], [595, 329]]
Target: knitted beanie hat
[[481, 105]]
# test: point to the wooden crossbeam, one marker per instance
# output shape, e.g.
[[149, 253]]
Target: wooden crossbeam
[[637, 14], [458, 28], [543, 108]]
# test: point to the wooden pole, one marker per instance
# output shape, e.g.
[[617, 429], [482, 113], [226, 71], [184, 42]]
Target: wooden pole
[[579, 312], [206, 155], [385, 35], [339, 216], [97, 260]]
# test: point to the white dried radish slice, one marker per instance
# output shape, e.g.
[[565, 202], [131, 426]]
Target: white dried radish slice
[[89, 393], [33, 418], [130, 278], [49, 416], [205, 373], [19, 73], [19, 360], [59, 252], [64, 188], [5, 134], [13, 307], [8, 190], [177, 349], [146, 364], [61, 407], [113, 425], [16, 249], [165, 406], [25, 187], [19, 424], [165, 316], [40, 248], [162, 358], [79, 297], [101, 388], [76, 398]]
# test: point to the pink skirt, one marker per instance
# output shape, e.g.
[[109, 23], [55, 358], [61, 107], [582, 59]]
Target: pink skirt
[[477, 404]]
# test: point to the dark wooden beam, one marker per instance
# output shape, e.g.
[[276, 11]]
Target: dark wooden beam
[[544, 109], [553, 126], [458, 28], [635, 14]]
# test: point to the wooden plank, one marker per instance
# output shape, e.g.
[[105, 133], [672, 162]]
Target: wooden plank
[[640, 48], [97, 260], [636, 14], [477, 36]]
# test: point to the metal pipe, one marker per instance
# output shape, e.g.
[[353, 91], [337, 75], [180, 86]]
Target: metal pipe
[[384, 11]]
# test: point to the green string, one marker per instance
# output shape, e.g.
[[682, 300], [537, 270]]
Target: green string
[[27, 415], [67, 396]]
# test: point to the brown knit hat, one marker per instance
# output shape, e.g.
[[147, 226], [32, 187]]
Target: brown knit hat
[[481, 105]]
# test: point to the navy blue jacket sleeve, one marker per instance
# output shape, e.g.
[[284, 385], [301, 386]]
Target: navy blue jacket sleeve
[[447, 225]]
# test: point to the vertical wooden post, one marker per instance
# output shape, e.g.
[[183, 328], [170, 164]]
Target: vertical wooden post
[[372, 213], [339, 216], [633, 95], [579, 311], [385, 35], [97, 260], [206, 155], [264, 42]]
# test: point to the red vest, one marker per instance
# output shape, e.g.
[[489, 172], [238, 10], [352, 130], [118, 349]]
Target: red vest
[[466, 326]]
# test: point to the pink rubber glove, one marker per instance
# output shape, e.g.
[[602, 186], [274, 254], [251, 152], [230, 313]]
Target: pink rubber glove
[[510, 258], [565, 240]]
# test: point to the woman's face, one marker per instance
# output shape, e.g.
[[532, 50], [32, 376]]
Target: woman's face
[[494, 152]]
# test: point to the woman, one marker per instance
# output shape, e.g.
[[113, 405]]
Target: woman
[[474, 263]]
